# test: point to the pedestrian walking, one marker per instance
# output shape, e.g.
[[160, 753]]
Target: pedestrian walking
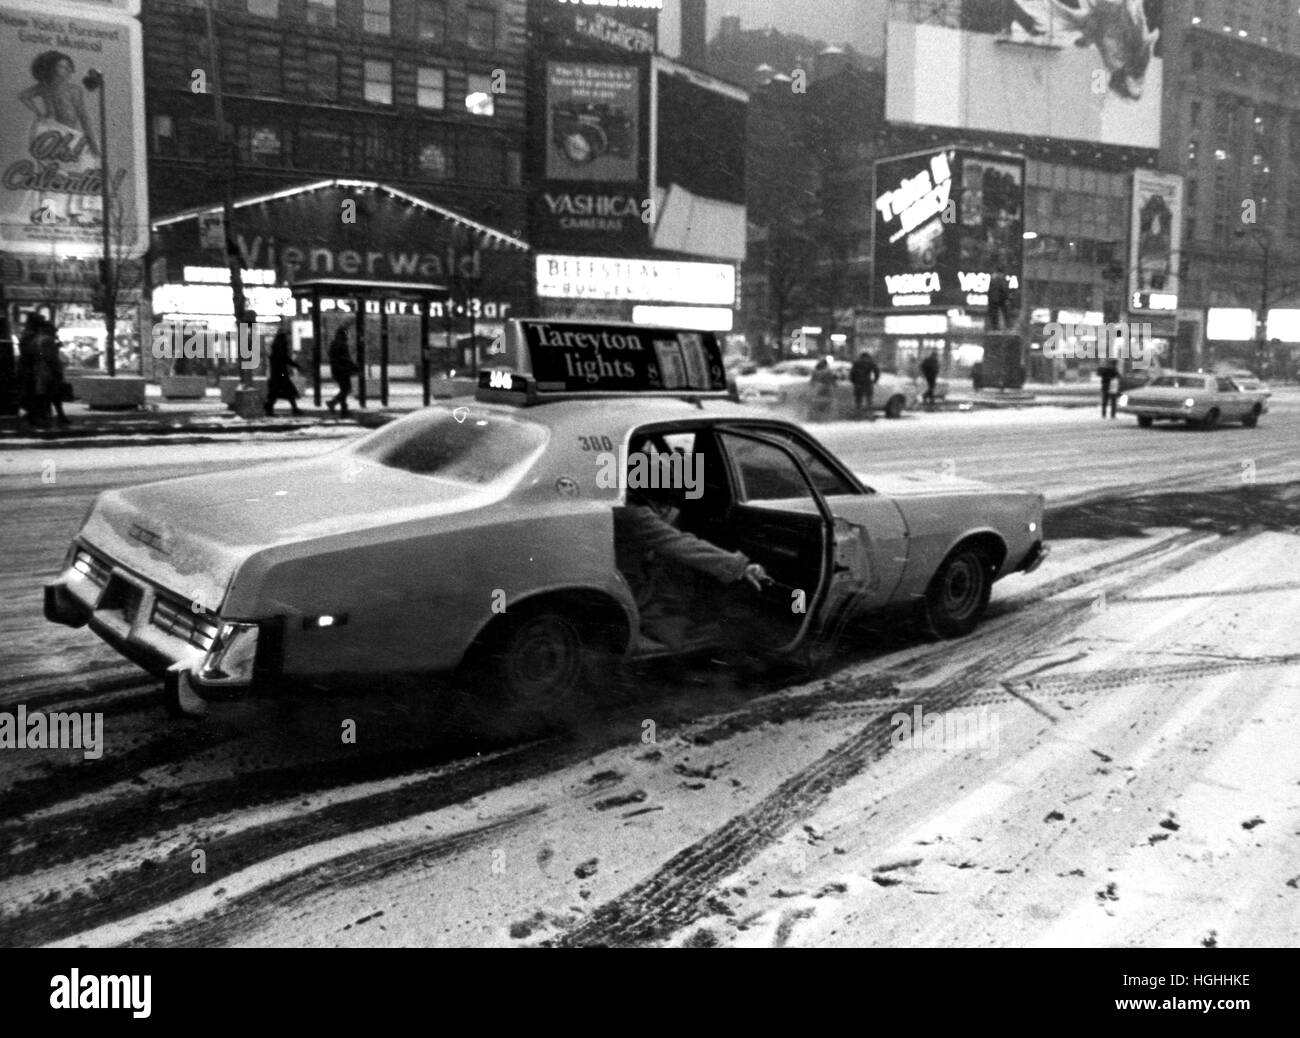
[[1109, 375], [977, 376], [342, 368], [279, 384], [930, 372], [864, 375], [28, 356], [51, 384], [823, 392]]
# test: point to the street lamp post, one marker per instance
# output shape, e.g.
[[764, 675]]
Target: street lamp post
[[94, 82]]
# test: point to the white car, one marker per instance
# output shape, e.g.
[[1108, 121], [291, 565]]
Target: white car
[[788, 384]]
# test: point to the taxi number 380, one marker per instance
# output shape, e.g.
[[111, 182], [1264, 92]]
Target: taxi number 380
[[595, 443]]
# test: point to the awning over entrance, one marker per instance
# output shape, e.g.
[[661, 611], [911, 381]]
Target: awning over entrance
[[355, 240]]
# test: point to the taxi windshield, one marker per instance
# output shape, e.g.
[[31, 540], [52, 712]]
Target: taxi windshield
[[480, 449]]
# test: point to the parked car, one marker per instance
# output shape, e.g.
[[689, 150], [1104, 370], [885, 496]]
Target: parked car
[[788, 385], [482, 537], [1197, 399]]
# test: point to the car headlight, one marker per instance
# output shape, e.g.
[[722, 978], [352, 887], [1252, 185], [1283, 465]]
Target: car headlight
[[232, 655], [1123, 400], [1189, 403]]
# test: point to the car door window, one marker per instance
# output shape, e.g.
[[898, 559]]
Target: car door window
[[765, 472], [828, 482], [1226, 385]]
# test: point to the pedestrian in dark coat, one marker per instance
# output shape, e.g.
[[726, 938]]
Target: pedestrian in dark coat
[[864, 375], [977, 376], [50, 383], [821, 408], [1108, 374], [28, 358], [342, 368], [279, 384], [930, 372]]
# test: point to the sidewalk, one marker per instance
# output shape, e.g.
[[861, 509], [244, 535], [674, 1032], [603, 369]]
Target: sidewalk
[[208, 420]]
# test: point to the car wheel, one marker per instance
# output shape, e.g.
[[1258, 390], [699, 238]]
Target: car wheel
[[894, 407], [531, 672], [1251, 420], [959, 593], [1144, 421], [1211, 419]]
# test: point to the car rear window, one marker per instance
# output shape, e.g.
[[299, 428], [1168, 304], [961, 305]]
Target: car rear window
[[478, 450]]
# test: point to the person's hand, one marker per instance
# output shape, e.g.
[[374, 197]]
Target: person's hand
[[756, 576]]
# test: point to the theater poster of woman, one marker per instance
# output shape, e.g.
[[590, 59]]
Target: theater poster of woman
[[51, 141]]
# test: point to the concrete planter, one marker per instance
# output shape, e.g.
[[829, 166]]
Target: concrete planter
[[101, 393], [249, 403], [183, 387], [229, 385]]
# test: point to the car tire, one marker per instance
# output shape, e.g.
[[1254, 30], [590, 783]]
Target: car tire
[[532, 671], [959, 593], [1251, 420], [1211, 419], [1144, 421], [894, 406]]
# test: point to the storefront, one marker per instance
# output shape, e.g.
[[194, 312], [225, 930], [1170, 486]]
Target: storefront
[[422, 290]]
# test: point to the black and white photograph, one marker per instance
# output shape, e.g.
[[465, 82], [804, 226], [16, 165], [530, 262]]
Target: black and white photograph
[[656, 474]]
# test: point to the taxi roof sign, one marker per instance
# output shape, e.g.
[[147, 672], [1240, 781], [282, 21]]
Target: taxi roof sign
[[563, 359]]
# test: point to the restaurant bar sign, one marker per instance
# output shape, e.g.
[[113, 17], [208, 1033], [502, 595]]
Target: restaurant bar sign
[[568, 356], [52, 144], [945, 222]]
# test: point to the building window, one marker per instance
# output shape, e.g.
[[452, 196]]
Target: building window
[[260, 145], [431, 21], [322, 149], [482, 163], [323, 74], [515, 176], [431, 87], [1194, 114], [264, 72], [322, 12], [434, 160], [481, 29], [164, 136], [379, 82], [377, 16], [478, 95], [264, 8]]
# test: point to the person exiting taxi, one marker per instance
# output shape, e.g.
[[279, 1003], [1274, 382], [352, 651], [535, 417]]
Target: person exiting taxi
[[342, 368]]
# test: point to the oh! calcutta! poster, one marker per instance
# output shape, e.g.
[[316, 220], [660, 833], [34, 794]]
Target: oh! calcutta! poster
[[52, 144]]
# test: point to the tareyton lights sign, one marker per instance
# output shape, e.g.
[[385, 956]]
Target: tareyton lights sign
[[651, 281]]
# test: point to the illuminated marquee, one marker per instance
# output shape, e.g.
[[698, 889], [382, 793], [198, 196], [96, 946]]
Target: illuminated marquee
[[658, 281], [918, 198]]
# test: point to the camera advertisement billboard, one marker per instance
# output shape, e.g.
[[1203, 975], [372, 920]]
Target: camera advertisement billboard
[[1087, 70], [1155, 240], [592, 114], [51, 139], [945, 223]]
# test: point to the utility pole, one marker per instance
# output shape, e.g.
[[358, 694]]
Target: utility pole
[[94, 82], [227, 171]]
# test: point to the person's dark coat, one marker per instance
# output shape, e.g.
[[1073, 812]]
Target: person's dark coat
[[865, 373], [341, 363], [930, 367], [280, 383]]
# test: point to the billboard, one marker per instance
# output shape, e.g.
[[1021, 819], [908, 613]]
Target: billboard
[[945, 222], [592, 120], [51, 140], [698, 184], [629, 27], [1088, 70], [1155, 240]]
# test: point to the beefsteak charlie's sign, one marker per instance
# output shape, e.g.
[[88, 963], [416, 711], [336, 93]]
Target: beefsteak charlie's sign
[[51, 141]]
